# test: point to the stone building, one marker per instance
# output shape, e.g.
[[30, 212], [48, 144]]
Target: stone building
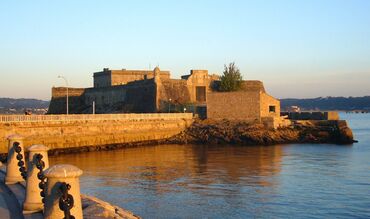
[[143, 91], [250, 103], [138, 91], [108, 78]]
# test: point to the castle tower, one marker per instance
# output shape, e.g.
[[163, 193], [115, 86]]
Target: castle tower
[[156, 72]]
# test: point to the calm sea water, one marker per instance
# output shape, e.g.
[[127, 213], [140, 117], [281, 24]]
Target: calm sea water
[[193, 181]]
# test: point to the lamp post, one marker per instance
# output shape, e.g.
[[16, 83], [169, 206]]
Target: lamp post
[[65, 79], [169, 105]]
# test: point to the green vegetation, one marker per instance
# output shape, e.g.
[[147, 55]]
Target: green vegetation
[[231, 80]]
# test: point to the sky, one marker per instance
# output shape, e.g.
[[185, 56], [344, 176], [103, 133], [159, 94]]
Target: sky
[[299, 49]]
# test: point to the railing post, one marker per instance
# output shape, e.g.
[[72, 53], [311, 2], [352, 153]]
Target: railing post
[[63, 198], [13, 174], [38, 161]]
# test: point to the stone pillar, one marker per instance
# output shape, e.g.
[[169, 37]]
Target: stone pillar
[[13, 175], [56, 175], [33, 202]]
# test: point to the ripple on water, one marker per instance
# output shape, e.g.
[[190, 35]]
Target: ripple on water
[[192, 181]]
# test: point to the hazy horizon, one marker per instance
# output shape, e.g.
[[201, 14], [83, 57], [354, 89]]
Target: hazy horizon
[[298, 49], [33, 98]]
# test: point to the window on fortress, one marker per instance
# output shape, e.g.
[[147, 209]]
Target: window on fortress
[[200, 93], [272, 109]]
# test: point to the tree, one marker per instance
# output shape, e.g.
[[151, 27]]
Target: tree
[[231, 80]]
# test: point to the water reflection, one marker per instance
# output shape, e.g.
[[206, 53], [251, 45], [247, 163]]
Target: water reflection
[[192, 181], [170, 163], [202, 170]]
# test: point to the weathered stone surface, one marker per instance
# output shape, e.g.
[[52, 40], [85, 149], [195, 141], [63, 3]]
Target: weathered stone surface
[[61, 134], [138, 91], [328, 115], [94, 208], [63, 171], [33, 200], [251, 105], [56, 175], [243, 133]]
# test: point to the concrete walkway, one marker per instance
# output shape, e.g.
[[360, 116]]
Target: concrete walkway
[[11, 199], [9, 205]]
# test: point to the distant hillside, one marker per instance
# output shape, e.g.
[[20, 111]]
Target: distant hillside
[[23, 103], [328, 103], [19, 106], [7, 105]]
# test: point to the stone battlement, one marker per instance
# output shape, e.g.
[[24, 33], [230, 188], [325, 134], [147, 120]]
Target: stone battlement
[[62, 92]]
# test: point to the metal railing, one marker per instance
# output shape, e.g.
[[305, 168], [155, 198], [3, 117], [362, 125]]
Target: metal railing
[[80, 117]]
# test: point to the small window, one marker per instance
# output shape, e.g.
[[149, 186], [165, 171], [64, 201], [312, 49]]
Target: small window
[[272, 109], [200, 93]]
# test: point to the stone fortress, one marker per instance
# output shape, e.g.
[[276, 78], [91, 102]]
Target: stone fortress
[[145, 91]]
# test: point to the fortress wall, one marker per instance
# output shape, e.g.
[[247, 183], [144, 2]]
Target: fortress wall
[[328, 115], [93, 130], [120, 77], [62, 92], [134, 97], [141, 99], [58, 100], [266, 102], [252, 85], [176, 90], [240, 105], [199, 78], [102, 80]]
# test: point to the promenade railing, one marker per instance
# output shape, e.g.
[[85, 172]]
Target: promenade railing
[[84, 117]]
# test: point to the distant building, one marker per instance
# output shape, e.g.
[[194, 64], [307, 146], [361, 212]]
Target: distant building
[[294, 109]]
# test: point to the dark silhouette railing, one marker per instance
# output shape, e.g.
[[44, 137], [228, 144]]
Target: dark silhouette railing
[[21, 164]]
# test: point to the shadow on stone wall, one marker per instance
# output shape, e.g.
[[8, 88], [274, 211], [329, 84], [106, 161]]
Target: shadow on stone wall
[[134, 97]]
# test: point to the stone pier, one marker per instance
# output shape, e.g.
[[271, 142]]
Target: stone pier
[[72, 131]]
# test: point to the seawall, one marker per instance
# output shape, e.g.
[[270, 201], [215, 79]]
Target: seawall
[[71, 131], [243, 133]]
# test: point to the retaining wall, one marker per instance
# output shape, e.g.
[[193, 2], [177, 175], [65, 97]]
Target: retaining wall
[[67, 131], [329, 115]]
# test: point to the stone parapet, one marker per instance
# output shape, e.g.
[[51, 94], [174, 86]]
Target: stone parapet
[[61, 131]]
